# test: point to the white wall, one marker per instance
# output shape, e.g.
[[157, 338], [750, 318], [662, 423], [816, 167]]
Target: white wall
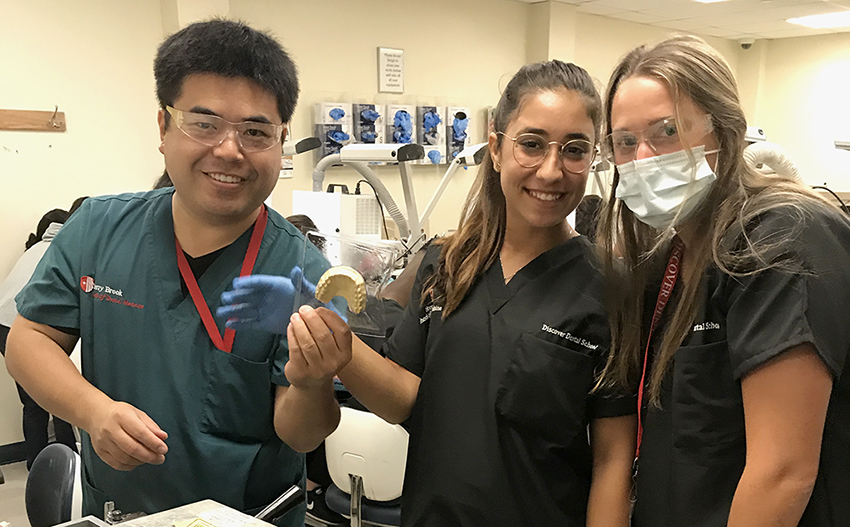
[[93, 59], [455, 54], [804, 104]]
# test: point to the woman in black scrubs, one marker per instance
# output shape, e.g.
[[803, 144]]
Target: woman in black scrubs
[[744, 390], [494, 363]]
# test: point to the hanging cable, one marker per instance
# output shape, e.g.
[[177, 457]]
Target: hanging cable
[[843, 206]]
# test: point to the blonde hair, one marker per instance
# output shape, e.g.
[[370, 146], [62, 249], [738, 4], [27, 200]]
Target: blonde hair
[[634, 253], [481, 231]]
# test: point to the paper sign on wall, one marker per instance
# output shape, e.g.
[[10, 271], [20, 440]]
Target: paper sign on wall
[[390, 70]]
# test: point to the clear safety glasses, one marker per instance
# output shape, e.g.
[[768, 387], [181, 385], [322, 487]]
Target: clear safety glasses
[[211, 130], [530, 150], [663, 137]]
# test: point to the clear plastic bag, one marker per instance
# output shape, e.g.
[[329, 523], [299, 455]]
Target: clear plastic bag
[[373, 259]]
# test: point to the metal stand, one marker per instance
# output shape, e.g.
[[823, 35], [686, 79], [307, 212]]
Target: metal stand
[[356, 497]]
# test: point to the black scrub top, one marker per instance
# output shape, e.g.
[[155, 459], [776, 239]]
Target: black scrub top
[[694, 446], [498, 433]]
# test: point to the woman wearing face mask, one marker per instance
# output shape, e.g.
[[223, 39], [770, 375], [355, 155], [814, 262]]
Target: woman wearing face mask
[[493, 364], [740, 285]]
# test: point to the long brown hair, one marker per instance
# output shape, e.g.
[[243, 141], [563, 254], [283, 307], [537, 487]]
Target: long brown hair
[[634, 253], [475, 246]]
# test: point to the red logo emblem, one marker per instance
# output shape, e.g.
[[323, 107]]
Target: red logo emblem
[[87, 284]]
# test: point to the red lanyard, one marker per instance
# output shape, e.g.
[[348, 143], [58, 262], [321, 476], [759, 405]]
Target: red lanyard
[[226, 343], [671, 272]]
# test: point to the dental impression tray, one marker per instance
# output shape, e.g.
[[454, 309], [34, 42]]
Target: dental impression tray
[[343, 281]]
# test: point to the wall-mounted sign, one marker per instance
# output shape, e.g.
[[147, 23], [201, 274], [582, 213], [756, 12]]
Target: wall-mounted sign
[[390, 70]]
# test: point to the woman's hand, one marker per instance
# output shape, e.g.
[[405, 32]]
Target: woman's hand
[[319, 346]]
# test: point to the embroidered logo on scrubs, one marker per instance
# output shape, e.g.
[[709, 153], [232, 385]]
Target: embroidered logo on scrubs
[[569, 336], [428, 310], [705, 326], [106, 293]]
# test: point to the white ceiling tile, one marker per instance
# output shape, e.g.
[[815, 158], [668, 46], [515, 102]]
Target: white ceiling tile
[[731, 19], [643, 5], [762, 27], [797, 31], [736, 20], [596, 9], [816, 8], [679, 25], [694, 9], [638, 18], [719, 32]]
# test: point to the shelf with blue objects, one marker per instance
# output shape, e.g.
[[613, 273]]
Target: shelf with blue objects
[[457, 131], [368, 123], [400, 124], [333, 125], [430, 125]]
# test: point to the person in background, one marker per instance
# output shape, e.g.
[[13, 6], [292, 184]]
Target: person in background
[[173, 411], [35, 418], [744, 388], [163, 181], [587, 216], [495, 359]]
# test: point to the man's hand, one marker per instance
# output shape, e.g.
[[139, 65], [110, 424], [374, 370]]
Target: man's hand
[[263, 301], [125, 437], [319, 347]]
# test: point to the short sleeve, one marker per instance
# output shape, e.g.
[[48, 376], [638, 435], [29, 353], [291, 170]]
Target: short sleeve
[[776, 309], [611, 403], [406, 345], [52, 295]]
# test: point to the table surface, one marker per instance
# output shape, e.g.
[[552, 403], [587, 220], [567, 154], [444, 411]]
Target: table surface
[[208, 510]]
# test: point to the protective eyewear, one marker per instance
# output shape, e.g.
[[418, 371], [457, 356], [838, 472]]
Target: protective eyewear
[[663, 137], [211, 130], [530, 150]]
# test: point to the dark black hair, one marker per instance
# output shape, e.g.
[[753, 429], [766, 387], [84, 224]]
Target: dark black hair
[[230, 49], [163, 181], [305, 224], [76, 204], [54, 216], [587, 215]]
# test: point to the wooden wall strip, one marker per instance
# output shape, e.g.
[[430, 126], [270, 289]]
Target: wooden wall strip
[[32, 120]]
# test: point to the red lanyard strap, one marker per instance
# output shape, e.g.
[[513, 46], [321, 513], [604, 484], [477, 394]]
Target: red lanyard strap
[[226, 343], [671, 272]]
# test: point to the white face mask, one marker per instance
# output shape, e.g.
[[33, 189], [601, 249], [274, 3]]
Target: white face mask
[[657, 189]]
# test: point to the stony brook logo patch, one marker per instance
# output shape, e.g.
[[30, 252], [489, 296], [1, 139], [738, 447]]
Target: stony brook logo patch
[[104, 293], [87, 284]]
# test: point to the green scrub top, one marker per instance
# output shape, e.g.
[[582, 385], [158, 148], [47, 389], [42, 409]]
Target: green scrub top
[[112, 273]]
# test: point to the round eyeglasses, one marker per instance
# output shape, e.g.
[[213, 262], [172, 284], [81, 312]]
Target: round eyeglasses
[[211, 130], [530, 150], [663, 137]]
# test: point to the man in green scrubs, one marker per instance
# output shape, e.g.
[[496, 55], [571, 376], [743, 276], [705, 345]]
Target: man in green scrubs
[[174, 409]]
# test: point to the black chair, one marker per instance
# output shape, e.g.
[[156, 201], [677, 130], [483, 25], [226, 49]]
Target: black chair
[[51, 482]]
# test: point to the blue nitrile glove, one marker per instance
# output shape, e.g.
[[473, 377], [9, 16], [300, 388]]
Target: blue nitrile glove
[[368, 137], [430, 120], [403, 125], [459, 129], [338, 136], [434, 156], [337, 114], [370, 115], [263, 301]]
